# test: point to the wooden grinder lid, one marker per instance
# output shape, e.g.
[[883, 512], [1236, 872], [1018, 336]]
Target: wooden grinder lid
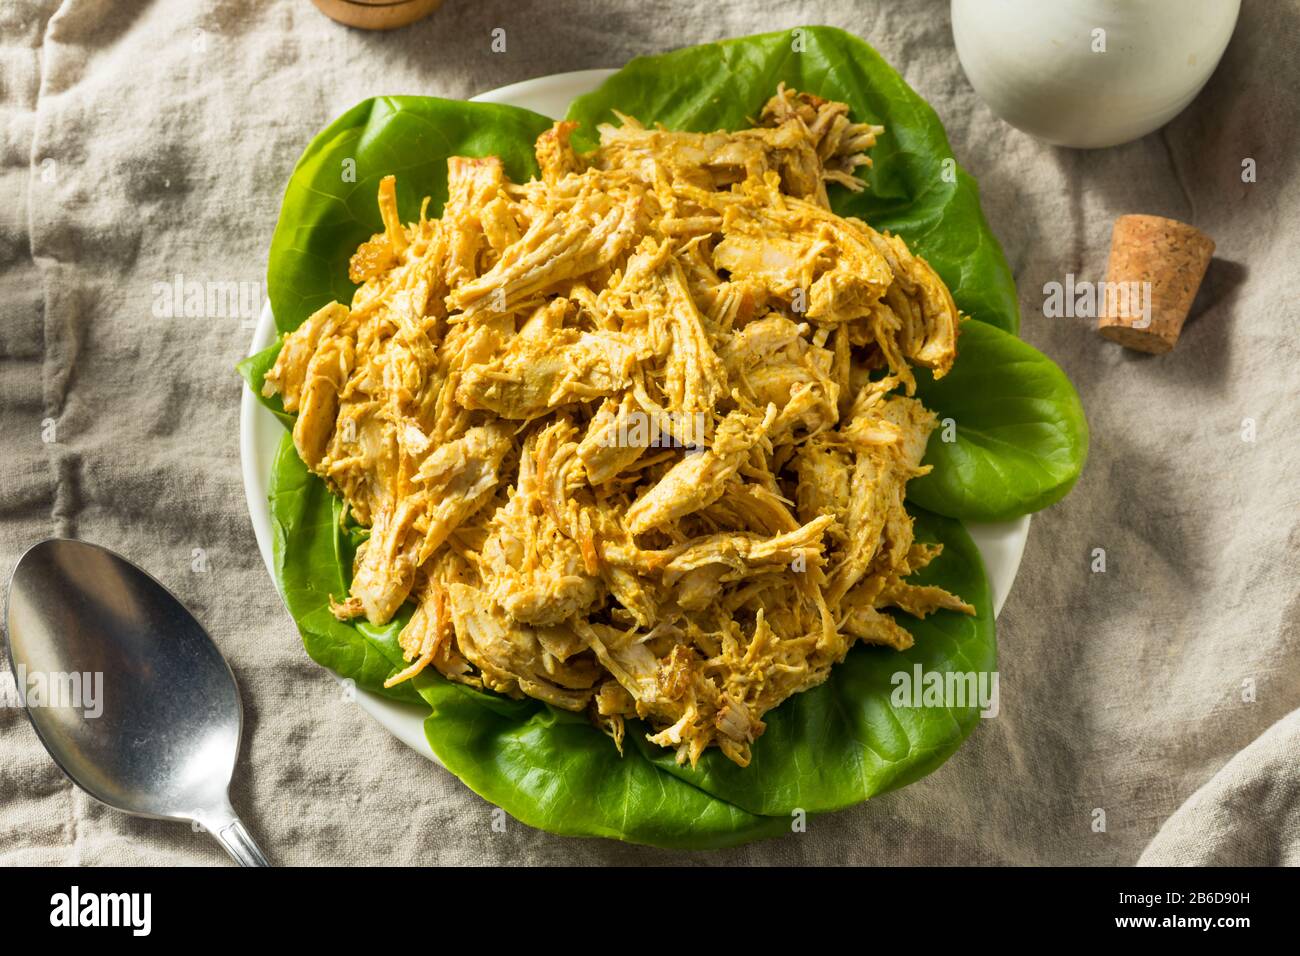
[[377, 14]]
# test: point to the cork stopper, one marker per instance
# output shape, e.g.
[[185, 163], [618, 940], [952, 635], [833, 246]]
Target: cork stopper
[[1156, 266], [377, 14]]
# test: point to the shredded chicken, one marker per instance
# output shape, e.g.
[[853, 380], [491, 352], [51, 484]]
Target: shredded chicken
[[633, 438]]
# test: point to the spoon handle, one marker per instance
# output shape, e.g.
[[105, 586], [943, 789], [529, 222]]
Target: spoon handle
[[236, 841]]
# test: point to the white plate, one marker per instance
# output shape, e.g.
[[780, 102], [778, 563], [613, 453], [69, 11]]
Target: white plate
[[1001, 545]]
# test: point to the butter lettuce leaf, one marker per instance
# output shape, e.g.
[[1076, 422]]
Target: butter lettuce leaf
[[1020, 442], [915, 187], [1013, 438]]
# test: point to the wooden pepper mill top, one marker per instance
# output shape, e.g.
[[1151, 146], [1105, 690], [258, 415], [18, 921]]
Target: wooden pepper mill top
[[377, 14]]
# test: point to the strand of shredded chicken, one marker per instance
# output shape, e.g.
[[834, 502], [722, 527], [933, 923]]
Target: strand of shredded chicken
[[633, 437]]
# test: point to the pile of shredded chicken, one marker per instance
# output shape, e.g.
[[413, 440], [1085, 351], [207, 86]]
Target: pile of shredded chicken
[[633, 437]]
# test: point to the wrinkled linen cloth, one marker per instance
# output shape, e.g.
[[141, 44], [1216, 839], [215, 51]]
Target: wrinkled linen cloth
[[1148, 712]]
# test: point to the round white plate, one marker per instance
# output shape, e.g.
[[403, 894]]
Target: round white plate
[[1001, 545]]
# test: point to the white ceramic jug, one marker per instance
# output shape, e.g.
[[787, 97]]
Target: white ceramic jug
[[1090, 73]]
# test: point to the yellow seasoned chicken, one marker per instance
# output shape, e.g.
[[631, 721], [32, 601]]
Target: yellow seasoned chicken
[[633, 437]]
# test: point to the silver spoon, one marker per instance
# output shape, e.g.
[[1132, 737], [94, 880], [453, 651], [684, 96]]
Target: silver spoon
[[126, 689]]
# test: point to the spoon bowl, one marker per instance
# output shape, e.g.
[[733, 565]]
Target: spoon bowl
[[125, 689]]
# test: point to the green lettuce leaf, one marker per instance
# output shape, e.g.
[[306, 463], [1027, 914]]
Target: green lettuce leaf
[[914, 187], [840, 743], [832, 746], [1020, 435], [827, 748], [555, 771], [313, 554], [254, 369], [329, 206]]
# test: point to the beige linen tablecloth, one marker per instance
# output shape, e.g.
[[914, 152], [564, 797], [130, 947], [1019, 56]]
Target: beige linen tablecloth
[[146, 141]]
